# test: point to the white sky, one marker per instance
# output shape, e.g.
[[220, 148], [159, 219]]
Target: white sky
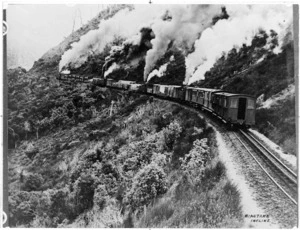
[[34, 29]]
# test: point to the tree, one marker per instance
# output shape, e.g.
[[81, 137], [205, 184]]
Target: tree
[[33, 182], [149, 183]]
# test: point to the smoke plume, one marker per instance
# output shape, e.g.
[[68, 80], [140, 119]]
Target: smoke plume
[[185, 24], [204, 32], [159, 72], [113, 67], [125, 24], [178, 23], [242, 25]]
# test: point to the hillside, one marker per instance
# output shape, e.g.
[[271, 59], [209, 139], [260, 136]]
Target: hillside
[[48, 63], [256, 71], [85, 156], [81, 176]]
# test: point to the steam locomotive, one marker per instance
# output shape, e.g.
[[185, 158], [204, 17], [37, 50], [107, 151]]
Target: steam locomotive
[[233, 109]]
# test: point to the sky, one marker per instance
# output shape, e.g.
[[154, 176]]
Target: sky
[[34, 29]]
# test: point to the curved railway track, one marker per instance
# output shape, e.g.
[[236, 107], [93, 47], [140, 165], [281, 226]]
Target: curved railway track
[[282, 176]]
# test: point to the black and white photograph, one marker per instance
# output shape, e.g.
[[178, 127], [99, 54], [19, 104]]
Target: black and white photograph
[[150, 115]]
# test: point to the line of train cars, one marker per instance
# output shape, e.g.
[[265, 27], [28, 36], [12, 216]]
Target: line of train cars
[[234, 109]]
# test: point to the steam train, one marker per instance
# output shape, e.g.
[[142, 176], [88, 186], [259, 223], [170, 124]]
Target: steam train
[[233, 109]]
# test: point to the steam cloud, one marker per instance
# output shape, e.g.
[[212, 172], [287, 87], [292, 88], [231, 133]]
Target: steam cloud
[[159, 72], [113, 67], [244, 22], [184, 24], [125, 24], [189, 27]]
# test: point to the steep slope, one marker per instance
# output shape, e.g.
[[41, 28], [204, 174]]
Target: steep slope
[[257, 71], [104, 171]]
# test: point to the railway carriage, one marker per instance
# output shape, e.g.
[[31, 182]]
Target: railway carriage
[[200, 96], [109, 82], [135, 87], [149, 88], [172, 91], [179, 93], [208, 94], [236, 109], [125, 84], [159, 90]]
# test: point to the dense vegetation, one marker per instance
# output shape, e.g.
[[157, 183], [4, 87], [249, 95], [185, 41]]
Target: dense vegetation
[[144, 155], [84, 156]]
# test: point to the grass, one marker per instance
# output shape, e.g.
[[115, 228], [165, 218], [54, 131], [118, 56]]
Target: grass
[[213, 204], [219, 207]]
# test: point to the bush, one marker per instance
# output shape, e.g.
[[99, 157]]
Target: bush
[[100, 196], [171, 133], [212, 175], [147, 184], [31, 151], [83, 193], [195, 161], [53, 208], [33, 182], [22, 207]]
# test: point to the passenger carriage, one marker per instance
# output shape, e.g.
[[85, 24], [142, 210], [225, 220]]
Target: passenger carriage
[[234, 108], [200, 96], [109, 82]]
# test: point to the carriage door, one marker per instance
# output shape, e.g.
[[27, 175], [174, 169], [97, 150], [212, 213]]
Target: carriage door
[[242, 109]]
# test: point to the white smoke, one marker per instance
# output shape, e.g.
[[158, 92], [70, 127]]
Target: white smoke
[[184, 25], [243, 24], [124, 24], [113, 67], [159, 72], [66, 71], [187, 22]]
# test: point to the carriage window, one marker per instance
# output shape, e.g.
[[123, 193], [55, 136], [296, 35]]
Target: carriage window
[[234, 103], [250, 104], [201, 94], [225, 102]]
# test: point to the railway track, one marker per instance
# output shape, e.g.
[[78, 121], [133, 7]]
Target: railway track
[[282, 176]]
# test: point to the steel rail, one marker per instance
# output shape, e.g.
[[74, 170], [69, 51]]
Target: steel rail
[[271, 178], [294, 175]]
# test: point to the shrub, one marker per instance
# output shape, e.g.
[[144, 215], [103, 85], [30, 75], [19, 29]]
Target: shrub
[[83, 193], [100, 196], [161, 121], [22, 207], [147, 184], [195, 161], [171, 133], [53, 208], [31, 151], [212, 175], [33, 182]]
